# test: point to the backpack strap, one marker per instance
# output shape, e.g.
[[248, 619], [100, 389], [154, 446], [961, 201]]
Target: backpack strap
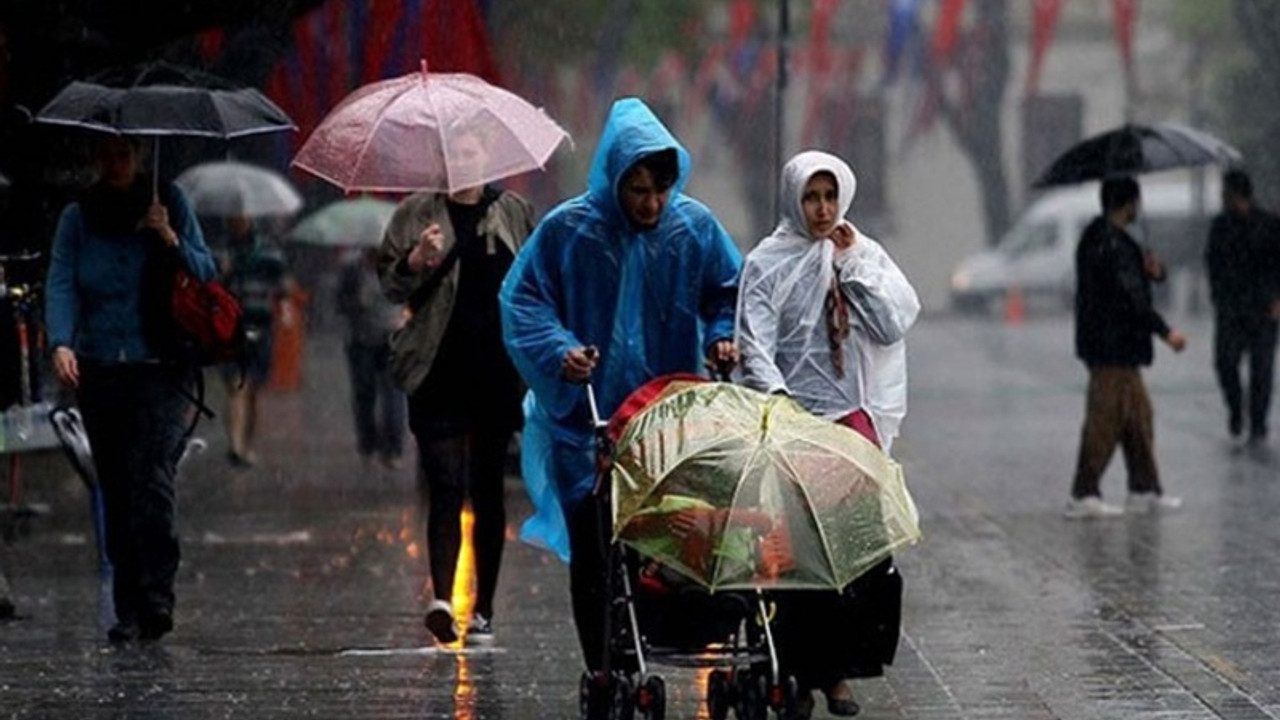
[[419, 296]]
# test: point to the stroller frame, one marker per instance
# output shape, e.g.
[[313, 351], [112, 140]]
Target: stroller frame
[[746, 676]]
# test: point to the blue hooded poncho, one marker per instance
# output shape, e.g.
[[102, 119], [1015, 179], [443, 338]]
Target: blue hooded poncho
[[652, 301]]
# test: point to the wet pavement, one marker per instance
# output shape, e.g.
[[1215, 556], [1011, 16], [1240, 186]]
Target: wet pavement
[[302, 582]]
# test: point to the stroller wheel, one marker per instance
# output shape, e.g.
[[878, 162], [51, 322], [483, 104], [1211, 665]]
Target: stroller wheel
[[753, 696], [795, 706], [602, 697], [622, 704], [587, 696], [719, 695], [651, 698]]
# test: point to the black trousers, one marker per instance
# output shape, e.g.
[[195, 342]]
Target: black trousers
[[133, 416], [1237, 335], [587, 523], [378, 405], [454, 468]]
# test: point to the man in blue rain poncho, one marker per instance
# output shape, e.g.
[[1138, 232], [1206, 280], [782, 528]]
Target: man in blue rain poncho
[[629, 281]]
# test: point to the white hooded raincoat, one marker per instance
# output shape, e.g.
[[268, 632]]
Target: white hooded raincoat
[[781, 322]]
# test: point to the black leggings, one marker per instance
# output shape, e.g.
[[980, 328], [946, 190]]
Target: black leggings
[[588, 569], [133, 418], [453, 468]]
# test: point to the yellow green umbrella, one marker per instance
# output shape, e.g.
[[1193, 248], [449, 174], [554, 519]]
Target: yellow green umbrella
[[741, 490]]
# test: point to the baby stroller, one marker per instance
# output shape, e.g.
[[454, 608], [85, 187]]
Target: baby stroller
[[703, 521]]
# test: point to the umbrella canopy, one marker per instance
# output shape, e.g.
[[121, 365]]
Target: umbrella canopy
[[229, 189], [439, 132], [1134, 150], [350, 223], [160, 98], [740, 490]]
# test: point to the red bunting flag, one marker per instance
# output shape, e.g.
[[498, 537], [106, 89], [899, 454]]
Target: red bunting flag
[[1126, 12], [947, 34], [1043, 23]]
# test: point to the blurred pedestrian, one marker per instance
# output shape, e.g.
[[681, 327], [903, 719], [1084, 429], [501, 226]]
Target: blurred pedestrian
[[1115, 320], [1243, 258], [444, 256], [253, 269], [627, 282], [108, 324], [822, 313], [7, 610], [378, 405]]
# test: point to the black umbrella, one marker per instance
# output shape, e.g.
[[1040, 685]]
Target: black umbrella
[[1134, 150], [159, 98]]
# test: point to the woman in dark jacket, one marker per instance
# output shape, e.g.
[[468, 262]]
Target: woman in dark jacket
[[444, 256], [105, 312]]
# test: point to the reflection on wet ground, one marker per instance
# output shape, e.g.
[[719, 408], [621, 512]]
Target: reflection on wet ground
[[303, 581]]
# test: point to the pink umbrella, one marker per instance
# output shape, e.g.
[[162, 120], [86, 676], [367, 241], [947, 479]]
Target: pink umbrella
[[440, 132]]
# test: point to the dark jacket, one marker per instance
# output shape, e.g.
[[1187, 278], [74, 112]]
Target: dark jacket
[[1243, 258], [1114, 316]]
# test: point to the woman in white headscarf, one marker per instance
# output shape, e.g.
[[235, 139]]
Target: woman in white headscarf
[[822, 312]]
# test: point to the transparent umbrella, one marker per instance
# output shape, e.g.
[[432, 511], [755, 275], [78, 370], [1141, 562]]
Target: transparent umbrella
[[230, 188], [429, 131], [351, 223], [741, 490]]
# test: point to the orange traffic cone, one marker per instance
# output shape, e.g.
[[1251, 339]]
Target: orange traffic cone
[[1015, 310], [289, 339]]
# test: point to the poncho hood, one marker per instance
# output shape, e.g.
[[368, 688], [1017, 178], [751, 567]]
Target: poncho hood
[[631, 132], [796, 174]]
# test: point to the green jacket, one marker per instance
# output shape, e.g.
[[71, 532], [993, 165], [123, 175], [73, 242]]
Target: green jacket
[[415, 344]]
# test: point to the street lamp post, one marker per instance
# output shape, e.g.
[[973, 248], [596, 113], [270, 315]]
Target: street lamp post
[[779, 109]]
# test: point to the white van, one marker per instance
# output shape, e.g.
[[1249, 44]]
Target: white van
[[1037, 256]]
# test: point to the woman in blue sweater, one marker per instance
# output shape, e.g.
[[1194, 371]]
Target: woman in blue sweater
[[106, 314]]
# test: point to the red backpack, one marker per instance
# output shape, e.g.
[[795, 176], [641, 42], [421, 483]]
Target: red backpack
[[208, 317]]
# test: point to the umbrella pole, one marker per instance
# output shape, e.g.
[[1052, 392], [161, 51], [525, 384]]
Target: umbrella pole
[[155, 170], [780, 91]]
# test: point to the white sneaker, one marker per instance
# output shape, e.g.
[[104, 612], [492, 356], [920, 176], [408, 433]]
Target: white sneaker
[[1090, 507], [1149, 502], [440, 622], [479, 631]]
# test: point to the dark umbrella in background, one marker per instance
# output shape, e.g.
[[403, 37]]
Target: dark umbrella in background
[[1136, 150], [158, 98]]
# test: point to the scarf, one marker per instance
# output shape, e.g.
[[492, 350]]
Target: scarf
[[109, 212], [837, 314]]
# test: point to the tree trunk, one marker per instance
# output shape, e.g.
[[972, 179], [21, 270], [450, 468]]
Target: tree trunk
[[978, 127], [1254, 94]]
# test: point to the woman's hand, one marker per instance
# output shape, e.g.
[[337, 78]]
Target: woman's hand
[[843, 235], [157, 218], [722, 357], [429, 252], [66, 367]]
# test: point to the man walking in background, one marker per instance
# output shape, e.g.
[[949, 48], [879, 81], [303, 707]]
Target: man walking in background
[[1114, 324], [1243, 258]]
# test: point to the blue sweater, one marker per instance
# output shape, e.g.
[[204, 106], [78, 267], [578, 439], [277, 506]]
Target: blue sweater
[[94, 287]]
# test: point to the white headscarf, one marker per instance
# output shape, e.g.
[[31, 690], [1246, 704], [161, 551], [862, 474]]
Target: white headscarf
[[781, 321]]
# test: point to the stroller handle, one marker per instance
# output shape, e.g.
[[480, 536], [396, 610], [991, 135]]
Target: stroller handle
[[596, 422]]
